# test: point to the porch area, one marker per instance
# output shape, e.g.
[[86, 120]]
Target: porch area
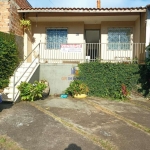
[[89, 52]]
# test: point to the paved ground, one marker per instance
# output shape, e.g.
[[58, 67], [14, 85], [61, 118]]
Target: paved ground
[[71, 124]]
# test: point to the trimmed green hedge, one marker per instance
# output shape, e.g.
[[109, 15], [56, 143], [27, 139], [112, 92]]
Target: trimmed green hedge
[[8, 57], [145, 76], [109, 79]]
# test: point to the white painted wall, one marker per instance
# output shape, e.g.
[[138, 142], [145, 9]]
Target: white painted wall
[[147, 32], [114, 54], [75, 35]]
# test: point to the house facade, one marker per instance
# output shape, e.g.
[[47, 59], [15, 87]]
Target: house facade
[[60, 35], [79, 34], [60, 38]]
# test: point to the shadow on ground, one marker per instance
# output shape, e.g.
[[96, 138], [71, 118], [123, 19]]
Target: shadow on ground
[[73, 147], [5, 105]]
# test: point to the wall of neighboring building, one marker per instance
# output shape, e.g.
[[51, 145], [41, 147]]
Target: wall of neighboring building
[[4, 15], [10, 20], [14, 19], [22, 3], [9, 17]]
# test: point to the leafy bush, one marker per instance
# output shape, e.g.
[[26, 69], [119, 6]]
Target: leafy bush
[[8, 57], [77, 87], [145, 76], [31, 92], [109, 79]]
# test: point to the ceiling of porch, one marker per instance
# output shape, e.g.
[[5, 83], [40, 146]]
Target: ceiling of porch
[[85, 19]]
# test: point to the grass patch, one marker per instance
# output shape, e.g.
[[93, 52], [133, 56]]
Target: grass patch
[[8, 144]]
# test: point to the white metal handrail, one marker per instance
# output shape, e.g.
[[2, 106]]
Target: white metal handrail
[[114, 52], [16, 82]]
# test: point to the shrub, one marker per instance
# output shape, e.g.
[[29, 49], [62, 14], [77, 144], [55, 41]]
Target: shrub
[[145, 76], [77, 87], [31, 92], [8, 57], [109, 79]]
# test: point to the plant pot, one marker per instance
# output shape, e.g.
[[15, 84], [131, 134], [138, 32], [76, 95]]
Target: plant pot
[[46, 91], [80, 96]]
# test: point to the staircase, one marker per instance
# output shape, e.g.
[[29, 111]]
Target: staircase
[[22, 73]]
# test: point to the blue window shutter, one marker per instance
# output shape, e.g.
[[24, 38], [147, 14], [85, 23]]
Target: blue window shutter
[[119, 38], [56, 37]]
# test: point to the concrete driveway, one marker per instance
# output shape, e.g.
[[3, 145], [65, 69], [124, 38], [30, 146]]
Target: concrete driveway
[[72, 124]]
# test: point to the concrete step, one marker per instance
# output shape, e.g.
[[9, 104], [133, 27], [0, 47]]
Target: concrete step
[[28, 64], [11, 84], [17, 78], [23, 69], [10, 95], [19, 74], [10, 90], [5, 98]]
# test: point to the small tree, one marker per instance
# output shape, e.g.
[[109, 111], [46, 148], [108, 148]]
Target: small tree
[[9, 58]]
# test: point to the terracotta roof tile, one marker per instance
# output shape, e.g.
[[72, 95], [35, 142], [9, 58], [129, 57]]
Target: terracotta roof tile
[[79, 9], [23, 3]]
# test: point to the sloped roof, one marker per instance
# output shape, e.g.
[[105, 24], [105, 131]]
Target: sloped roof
[[82, 10], [23, 3]]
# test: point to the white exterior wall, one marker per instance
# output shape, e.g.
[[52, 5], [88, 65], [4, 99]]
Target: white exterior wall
[[115, 54], [75, 35], [147, 31], [148, 27]]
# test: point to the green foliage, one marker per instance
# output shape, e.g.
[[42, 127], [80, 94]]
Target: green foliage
[[109, 79], [77, 87], [25, 23], [8, 57], [145, 76], [31, 92]]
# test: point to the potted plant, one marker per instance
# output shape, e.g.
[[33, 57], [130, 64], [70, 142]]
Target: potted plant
[[31, 92], [77, 89], [25, 23]]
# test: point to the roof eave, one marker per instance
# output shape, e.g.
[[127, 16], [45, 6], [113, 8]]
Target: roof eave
[[81, 11]]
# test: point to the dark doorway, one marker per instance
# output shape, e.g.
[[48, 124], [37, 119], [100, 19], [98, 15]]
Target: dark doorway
[[92, 38]]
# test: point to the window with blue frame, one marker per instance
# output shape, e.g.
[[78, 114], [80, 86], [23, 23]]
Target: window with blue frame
[[56, 37], [119, 38]]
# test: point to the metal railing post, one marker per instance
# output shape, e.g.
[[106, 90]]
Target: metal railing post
[[39, 53], [84, 51], [14, 86]]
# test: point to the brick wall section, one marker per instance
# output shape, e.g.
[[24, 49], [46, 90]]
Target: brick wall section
[[14, 19], [9, 18], [22, 3], [4, 15]]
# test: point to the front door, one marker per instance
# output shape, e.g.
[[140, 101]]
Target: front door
[[92, 38]]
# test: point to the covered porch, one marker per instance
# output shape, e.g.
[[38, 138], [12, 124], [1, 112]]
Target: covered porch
[[88, 52], [88, 34]]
